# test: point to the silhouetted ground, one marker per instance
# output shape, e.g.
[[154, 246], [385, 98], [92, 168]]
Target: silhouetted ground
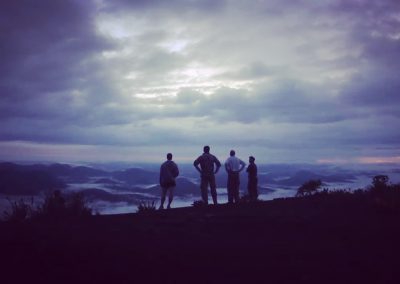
[[311, 240]]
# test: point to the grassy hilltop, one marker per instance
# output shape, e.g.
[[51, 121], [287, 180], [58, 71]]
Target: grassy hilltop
[[322, 238]]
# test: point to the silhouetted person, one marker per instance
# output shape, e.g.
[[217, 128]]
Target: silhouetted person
[[207, 173], [252, 181], [233, 167], [168, 172]]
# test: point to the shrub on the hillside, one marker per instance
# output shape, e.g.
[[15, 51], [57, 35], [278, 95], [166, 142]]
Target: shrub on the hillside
[[338, 191], [20, 210], [53, 206], [308, 188], [247, 199], [56, 207], [146, 207], [385, 196], [77, 206], [341, 193], [198, 204], [380, 182]]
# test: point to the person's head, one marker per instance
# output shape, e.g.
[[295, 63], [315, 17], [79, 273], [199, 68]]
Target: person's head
[[232, 153], [251, 159], [169, 156], [206, 149]]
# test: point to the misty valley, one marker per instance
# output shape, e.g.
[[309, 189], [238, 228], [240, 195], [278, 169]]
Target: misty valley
[[113, 188]]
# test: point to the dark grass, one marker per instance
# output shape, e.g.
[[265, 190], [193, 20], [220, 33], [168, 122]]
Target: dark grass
[[324, 238]]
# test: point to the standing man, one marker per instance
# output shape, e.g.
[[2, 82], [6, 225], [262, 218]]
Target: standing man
[[252, 182], [233, 167], [168, 172], [207, 174]]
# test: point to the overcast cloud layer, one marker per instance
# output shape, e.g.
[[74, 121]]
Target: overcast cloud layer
[[286, 81]]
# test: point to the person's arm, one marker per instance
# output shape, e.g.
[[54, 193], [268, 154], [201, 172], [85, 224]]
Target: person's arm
[[226, 167], [217, 164], [196, 165], [242, 165]]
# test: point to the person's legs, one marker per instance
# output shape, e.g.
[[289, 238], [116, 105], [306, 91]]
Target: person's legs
[[213, 189], [163, 194], [170, 196], [256, 188], [204, 189], [229, 189], [236, 194], [235, 187], [255, 193], [252, 188]]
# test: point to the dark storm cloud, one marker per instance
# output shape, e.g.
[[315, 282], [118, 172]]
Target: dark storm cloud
[[46, 47], [378, 92], [172, 5], [376, 31], [369, 9], [50, 84], [22, 129]]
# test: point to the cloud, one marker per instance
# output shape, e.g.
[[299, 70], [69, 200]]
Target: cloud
[[173, 6], [261, 74], [50, 39]]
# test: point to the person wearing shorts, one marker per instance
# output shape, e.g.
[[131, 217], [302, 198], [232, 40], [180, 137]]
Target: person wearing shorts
[[168, 173]]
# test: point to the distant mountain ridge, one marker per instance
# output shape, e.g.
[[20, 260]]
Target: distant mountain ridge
[[32, 179], [304, 175], [134, 176], [27, 180], [18, 179]]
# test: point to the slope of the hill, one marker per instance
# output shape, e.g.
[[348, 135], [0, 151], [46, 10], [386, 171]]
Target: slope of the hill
[[310, 240]]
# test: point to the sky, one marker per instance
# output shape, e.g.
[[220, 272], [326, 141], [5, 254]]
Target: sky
[[285, 81]]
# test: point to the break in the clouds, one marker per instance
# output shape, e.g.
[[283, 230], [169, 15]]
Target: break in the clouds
[[286, 82]]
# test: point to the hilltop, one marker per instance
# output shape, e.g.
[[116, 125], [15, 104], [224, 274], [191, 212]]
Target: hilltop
[[320, 239]]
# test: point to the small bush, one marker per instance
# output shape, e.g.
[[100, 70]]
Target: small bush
[[20, 211], [359, 192], [77, 206], [248, 199], [56, 207], [339, 192], [308, 188], [385, 196], [380, 182], [146, 207], [53, 205], [379, 186], [245, 198], [198, 204]]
